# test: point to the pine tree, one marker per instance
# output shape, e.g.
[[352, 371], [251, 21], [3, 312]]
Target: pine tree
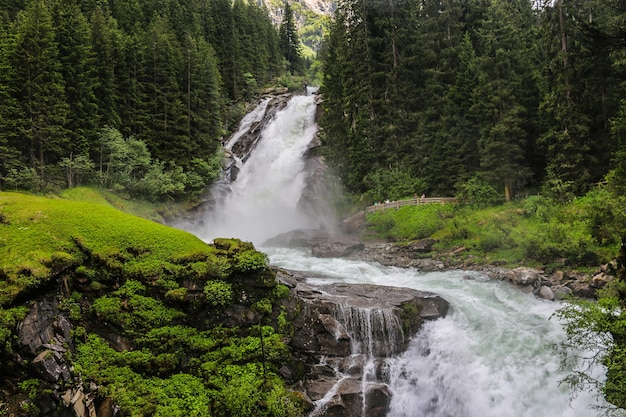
[[166, 133], [73, 37], [105, 45], [9, 110], [40, 89], [503, 141], [289, 41]]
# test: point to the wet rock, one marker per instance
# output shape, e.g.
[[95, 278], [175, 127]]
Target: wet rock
[[332, 320], [337, 248]]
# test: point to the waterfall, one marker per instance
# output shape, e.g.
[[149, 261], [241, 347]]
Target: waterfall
[[492, 356], [263, 201]]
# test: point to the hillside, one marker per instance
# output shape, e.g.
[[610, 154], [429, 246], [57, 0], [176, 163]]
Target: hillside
[[115, 310]]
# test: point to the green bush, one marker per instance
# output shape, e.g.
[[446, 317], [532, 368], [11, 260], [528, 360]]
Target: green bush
[[478, 193]]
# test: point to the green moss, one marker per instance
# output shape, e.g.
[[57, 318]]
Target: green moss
[[218, 293], [43, 235]]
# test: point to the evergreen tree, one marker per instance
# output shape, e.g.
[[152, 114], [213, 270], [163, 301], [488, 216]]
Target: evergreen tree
[[222, 37], [105, 45], [9, 110], [289, 42], [166, 134], [73, 37], [503, 139], [40, 89], [204, 103]]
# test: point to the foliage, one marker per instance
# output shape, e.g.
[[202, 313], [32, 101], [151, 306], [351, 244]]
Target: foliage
[[392, 184], [158, 75], [524, 94], [409, 222], [42, 234], [595, 334], [538, 229], [478, 192], [218, 293]]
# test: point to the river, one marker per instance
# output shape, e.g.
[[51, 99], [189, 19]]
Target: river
[[492, 356]]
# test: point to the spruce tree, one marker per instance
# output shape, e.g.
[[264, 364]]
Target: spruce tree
[[289, 41], [73, 38], [40, 89]]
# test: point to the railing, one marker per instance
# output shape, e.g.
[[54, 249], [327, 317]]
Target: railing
[[418, 201]]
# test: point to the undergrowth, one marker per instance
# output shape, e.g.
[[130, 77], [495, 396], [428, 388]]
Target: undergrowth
[[536, 230]]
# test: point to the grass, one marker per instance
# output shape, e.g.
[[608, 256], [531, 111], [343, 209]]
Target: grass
[[535, 231], [40, 236]]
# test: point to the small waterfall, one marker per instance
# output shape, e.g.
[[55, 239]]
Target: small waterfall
[[374, 333], [376, 338]]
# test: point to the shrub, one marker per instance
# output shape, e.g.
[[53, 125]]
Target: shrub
[[478, 193]]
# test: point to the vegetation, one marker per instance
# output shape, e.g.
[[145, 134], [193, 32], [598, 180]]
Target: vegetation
[[535, 230], [430, 95], [133, 96], [162, 290]]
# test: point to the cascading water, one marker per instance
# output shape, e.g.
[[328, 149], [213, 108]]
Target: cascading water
[[263, 201], [492, 356]]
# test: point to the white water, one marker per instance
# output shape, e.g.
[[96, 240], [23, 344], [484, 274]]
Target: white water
[[492, 356], [263, 201]]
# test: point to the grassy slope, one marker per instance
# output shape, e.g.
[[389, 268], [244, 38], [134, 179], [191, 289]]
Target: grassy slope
[[39, 235], [133, 276], [536, 231]]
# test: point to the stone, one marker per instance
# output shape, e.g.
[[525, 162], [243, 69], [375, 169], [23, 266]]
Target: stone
[[524, 276], [336, 248], [600, 279], [323, 330], [546, 293], [47, 366]]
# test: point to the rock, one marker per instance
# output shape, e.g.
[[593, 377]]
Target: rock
[[524, 276], [51, 366], [546, 293], [423, 245], [334, 321], [600, 279], [300, 238], [337, 248], [354, 223]]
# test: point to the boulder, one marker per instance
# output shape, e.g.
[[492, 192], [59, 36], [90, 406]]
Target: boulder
[[524, 276], [546, 293], [337, 248]]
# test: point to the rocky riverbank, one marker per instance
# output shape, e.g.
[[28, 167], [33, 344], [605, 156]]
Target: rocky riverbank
[[553, 285], [558, 284]]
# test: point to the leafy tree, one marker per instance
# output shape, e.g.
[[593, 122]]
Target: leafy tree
[[289, 41]]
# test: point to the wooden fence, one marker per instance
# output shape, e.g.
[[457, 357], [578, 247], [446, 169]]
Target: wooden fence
[[418, 201]]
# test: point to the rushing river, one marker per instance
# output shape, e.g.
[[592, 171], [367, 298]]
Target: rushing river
[[492, 356]]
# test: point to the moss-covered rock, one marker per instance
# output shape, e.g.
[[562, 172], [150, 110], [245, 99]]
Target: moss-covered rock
[[158, 321]]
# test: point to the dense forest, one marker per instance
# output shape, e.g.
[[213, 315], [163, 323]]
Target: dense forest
[[135, 94], [439, 96]]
